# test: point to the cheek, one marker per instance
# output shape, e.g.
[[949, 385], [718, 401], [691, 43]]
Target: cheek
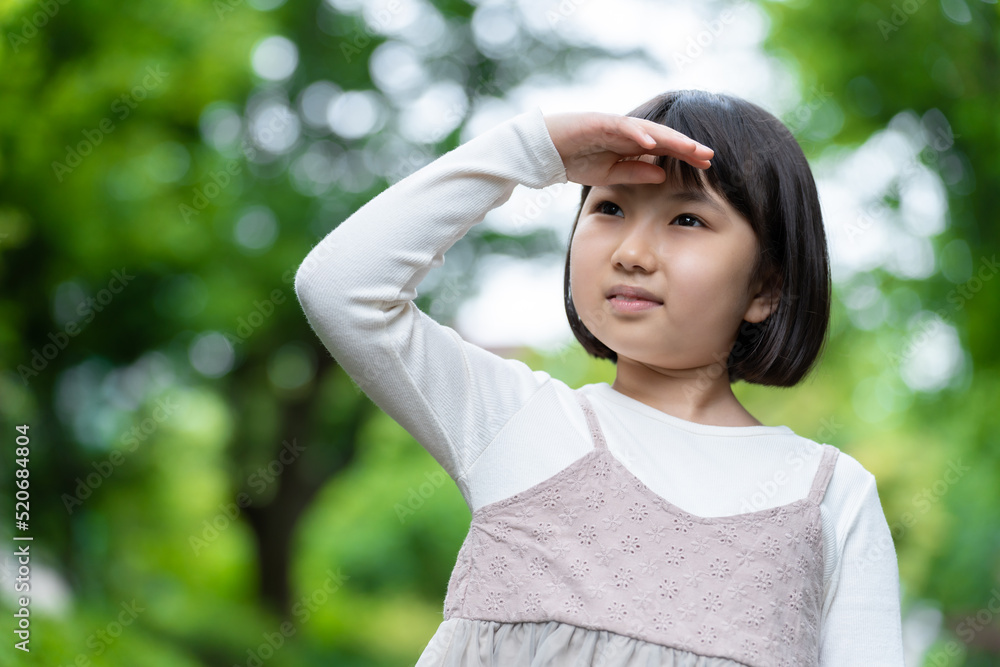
[[581, 262], [584, 262], [696, 271], [704, 281]]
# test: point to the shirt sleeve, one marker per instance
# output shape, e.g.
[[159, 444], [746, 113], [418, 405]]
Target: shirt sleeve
[[862, 625], [357, 287]]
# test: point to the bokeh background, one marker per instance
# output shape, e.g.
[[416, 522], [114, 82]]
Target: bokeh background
[[208, 488]]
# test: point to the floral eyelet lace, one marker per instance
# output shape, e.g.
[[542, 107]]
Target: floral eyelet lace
[[593, 546]]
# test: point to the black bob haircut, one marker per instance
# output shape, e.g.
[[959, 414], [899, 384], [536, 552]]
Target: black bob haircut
[[760, 169]]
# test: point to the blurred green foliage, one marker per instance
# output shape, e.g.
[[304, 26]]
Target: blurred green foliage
[[140, 211], [938, 460]]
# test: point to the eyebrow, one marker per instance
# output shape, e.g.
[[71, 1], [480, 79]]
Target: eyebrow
[[683, 196]]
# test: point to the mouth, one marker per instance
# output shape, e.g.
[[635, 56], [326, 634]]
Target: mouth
[[632, 293], [625, 304], [631, 299]]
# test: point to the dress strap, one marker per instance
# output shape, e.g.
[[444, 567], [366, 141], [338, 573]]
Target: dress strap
[[823, 474], [595, 428]]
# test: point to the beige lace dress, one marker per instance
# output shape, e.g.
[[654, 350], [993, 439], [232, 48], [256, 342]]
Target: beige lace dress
[[591, 567]]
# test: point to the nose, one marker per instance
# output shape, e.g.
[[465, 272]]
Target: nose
[[635, 249]]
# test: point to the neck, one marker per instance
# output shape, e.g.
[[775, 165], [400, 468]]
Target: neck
[[701, 395]]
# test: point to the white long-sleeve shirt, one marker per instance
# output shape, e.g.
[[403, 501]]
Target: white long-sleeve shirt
[[484, 417]]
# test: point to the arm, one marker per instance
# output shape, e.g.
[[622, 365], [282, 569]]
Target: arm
[[358, 284], [862, 625]]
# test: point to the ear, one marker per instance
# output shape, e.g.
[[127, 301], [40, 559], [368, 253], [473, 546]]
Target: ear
[[766, 295]]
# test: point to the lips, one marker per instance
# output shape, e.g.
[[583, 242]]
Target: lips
[[633, 292]]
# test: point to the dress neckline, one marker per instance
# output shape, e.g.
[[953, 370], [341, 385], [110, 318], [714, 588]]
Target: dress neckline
[[600, 449], [606, 391], [587, 460], [812, 499], [766, 513]]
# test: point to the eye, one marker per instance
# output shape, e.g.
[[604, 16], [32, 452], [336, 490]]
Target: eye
[[685, 216], [608, 208]]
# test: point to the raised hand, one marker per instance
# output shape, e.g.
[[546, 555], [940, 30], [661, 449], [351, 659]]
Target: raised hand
[[604, 149]]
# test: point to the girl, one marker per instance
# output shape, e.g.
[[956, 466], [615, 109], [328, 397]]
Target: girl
[[653, 521]]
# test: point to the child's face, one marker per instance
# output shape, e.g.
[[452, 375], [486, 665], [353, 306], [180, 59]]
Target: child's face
[[695, 257]]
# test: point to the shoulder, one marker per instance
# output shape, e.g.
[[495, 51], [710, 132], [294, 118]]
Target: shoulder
[[848, 473], [852, 498], [850, 476], [849, 482], [851, 487], [850, 468]]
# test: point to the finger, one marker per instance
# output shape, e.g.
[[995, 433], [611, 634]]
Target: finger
[[624, 136], [694, 162], [635, 171], [669, 138], [640, 135], [697, 162]]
